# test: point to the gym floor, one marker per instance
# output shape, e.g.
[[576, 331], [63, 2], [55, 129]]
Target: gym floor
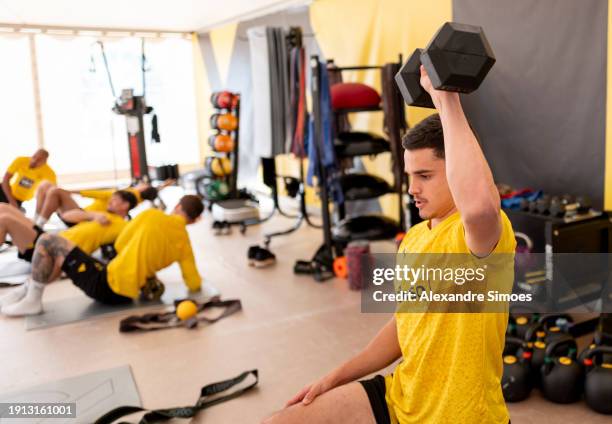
[[291, 328]]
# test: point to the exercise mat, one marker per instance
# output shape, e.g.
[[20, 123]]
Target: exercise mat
[[91, 395], [81, 307]]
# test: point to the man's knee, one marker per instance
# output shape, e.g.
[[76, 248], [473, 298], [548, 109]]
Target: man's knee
[[45, 186], [46, 238], [54, 191]]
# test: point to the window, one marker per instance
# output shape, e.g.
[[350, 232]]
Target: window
[[18, 132], [81, 131]]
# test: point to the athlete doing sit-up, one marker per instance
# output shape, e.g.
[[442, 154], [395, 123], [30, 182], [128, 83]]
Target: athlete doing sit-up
[[150, 242]]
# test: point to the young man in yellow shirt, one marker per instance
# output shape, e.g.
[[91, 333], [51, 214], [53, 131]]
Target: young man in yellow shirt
[[451, 362], [93, 229], [55, 199], [150, 242], [23, 176]]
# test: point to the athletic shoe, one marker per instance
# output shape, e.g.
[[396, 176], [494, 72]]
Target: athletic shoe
[[263, 258]]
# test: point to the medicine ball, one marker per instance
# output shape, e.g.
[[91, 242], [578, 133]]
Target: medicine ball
[[221, 143], [224, 121]]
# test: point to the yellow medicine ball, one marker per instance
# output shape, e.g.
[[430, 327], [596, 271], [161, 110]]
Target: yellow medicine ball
[[186, 310]]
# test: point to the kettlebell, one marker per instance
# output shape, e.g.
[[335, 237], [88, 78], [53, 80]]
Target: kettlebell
[[516, 380], [523, 321], [561, 377], [598, 380], [541, 334], [524, 261]]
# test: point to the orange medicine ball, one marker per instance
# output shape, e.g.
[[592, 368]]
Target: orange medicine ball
[[225, 121], [221, 143]]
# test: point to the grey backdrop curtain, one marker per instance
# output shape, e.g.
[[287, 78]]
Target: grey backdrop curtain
[[540, 114]]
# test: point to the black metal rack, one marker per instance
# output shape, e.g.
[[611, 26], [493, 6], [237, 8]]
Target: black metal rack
[[322, 263]]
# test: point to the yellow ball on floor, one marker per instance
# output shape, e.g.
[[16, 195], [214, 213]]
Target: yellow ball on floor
[[186, 309]]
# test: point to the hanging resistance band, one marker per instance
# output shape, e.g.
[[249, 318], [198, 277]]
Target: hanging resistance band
[[152, 322], [208, 398]]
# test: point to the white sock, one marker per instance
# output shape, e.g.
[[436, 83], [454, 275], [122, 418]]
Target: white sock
[[36, 216], [40, 221], [31, 304], [14, 295]]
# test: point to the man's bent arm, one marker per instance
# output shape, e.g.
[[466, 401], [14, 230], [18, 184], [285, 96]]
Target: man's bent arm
[[469, 178]]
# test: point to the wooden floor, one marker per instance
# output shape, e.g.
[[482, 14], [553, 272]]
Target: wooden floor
[[291, 328]]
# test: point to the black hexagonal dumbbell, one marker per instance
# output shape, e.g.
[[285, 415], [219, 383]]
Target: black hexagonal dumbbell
[[456, 59]]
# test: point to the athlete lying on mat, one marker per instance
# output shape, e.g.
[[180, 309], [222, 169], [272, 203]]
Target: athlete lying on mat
[[150, 242], [451, 363], [54, 199], [92, 229]]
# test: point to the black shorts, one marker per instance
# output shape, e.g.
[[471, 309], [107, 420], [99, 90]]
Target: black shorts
[[4, 199], [27, 255], [89, 275], [375, 389]]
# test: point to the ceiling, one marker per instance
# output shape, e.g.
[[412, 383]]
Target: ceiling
[[155, 15]]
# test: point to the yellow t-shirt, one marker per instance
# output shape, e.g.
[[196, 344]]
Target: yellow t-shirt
[[25, 179], [101, 198], [90, 235], [150, 242], [451, 362]]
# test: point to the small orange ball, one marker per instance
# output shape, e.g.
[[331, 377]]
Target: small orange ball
[[186, 310]]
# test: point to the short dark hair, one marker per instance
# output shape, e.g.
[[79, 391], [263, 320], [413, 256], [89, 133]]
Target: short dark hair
[[149, 193], [127, 196], [192, 206], [427, 134]]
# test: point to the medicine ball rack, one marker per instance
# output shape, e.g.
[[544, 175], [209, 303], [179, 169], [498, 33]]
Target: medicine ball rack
[[218, 186], [321, 265]]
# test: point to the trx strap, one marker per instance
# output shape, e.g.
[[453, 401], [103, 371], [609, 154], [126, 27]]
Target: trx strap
[[207, 399], [5, 284], [152, 322]]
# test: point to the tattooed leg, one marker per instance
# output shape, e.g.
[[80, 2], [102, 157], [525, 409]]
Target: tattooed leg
[[49, 255]]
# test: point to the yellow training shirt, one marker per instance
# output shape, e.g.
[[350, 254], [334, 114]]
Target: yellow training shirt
[[26, 179], [451, 362], [101, 198], [90, 235], [150, 242]]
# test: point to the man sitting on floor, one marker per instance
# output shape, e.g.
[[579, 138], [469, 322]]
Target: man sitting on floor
[[150, 242], [23, 176], [55, 199], [94, 229]]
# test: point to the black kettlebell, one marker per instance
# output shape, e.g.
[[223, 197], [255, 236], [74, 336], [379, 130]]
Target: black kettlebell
[[561, 376], [516, 380], [540, 334], [598, 380], [522, 322]]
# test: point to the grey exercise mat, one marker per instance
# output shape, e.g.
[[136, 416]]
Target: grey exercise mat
[[94, 395], [81, 307]]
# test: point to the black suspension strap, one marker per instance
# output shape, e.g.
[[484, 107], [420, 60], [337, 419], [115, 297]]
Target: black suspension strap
[[209, 395], [162, 321]]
